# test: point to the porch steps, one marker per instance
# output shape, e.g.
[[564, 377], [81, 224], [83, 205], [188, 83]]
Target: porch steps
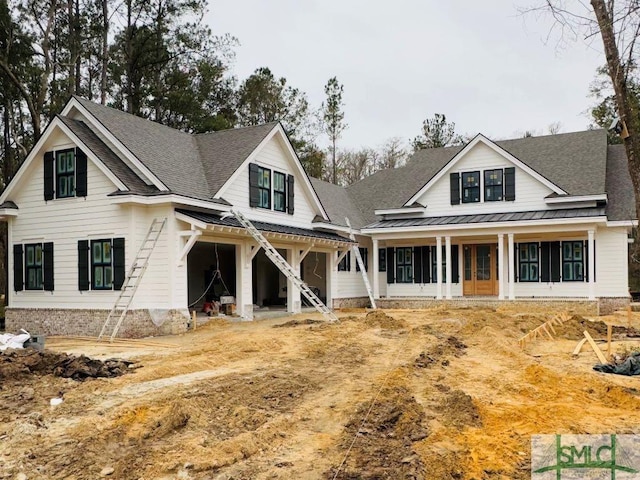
[[132, 280], [284, 267]]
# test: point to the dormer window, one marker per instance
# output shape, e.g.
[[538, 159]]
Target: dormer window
[[498, 184], [65, 174]]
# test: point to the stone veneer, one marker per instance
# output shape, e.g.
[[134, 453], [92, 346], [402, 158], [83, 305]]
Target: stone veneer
[[354, 302], [53, 321], [608, 305]]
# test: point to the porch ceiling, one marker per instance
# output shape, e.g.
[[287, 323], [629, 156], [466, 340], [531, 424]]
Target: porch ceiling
[[269, 229], [541, 215]]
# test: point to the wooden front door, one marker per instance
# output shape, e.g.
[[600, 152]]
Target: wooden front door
[[480, 270]]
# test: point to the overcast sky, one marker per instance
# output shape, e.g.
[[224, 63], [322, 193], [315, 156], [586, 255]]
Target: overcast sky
[[487, 68]]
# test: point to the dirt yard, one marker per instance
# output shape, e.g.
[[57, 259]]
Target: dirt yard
[[431, 394]]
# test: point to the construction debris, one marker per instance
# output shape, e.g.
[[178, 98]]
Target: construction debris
[[595, 348], [544, 329], [630, 366]]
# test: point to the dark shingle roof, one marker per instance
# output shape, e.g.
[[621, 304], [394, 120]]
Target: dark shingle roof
[[576, 162], [263, 226], [223, 152], [110, 159], [338, 204], [492, 217], [620, 196]]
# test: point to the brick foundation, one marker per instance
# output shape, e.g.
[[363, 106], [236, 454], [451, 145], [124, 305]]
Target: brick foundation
[[354, 302], [137, 324]]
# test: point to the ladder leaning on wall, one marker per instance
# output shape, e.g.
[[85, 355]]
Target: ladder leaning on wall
[[132, 280], [284, 267], [356, 252]]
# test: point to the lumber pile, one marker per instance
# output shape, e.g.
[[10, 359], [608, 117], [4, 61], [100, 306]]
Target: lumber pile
[[545, 330]]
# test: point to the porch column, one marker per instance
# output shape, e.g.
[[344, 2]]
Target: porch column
[[439, 267], [501, 266], [293, 294], [512, 273], [375, 277], [447, 242], [592, 264], [332, 277], [244, 280]]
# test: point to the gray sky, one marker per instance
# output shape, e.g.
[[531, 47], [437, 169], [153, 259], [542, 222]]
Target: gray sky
[[487, 68]]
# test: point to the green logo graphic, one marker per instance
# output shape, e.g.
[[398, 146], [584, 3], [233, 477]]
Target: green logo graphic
[[575, 455]]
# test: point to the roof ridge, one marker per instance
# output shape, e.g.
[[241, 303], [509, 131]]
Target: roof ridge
[[235, 129]]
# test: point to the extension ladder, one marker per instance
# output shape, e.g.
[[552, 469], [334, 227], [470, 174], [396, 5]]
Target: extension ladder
[[132, 280], [284, 267], [365, 278]]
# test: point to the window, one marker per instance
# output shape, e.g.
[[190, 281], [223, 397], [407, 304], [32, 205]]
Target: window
[[572, 261], [33, 266], [345, 263], [101, 266], [493, 185], [279, 192], [264, 187], [434, 264], [528, 259], [470, 187], [404, 265], [65, 174], [382, 260], [364, 253]]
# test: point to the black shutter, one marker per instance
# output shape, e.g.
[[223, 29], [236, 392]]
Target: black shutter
[[454, 178], [510, 184], [290, 194], [83, 265], [81, 173], [554, 254], [426, 264], [49, 164], [417, 265], [516, 263], [545, 264], [254, 191], [586, 260], [118, 263], [391, 265], [434, 264], [18, 272], [382, 259], [48, 266], [455, 268]]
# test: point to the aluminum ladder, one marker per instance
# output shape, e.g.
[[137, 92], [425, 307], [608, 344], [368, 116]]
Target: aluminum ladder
[[284, 267], [132, 280], [356, 253]]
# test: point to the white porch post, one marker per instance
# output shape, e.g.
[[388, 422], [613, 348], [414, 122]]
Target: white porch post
[[501, 266], [375, 277], [332, 277], [447, 242], [244, 280], [592, 264], [512, 273], [439, 267], [293, 294]]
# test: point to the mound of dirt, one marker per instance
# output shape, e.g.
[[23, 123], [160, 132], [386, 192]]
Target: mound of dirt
[[458, 410], [452, 346], [295, 323], [378, 318], [383, 444], [16, 364]]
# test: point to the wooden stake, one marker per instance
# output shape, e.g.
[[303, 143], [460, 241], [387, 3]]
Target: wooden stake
[[194, 319], [628, 316], [595, 348], [581, 343], [609, 332]]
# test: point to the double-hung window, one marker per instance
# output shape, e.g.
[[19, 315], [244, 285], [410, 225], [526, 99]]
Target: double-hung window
[[404, 265], [382, 259], [264, 187], [101, 265], [65, 173], [33, 266], [529, 262], [572, 261], [470, 187], [345, 264], [279, 192], [493, 191]]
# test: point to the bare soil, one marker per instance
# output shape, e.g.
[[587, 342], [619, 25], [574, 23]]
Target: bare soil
[[401, 394]]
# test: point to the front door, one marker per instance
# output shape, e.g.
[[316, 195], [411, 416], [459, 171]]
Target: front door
[[480, 270]]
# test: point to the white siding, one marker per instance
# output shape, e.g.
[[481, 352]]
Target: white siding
[[530, 192], [273, 156], [351, 284], [611, 262]]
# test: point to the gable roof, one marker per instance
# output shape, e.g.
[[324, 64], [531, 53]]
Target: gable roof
[[338, 204], [106, 155], [575, 162]]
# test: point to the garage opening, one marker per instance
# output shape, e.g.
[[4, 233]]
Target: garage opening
[[204, 285], [314, 272], [269, 283]]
